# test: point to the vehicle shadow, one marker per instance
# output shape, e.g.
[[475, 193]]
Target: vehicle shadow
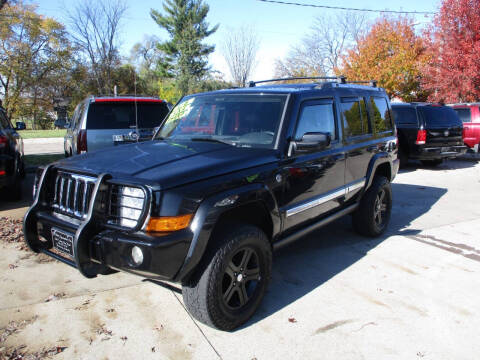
[[305, 265], [451, 164]]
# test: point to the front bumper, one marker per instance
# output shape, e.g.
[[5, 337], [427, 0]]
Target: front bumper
[[98, 250], [438, 152]]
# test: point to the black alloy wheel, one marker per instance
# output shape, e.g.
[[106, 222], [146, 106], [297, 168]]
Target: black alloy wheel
[[380, 209], [230, 283], [241, 278], [373, 213]]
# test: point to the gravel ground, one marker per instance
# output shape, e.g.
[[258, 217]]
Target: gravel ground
[[410, 294]]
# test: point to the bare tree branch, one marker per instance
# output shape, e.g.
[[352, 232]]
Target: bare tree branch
[[320, 51], [96, 27], [239, 49]]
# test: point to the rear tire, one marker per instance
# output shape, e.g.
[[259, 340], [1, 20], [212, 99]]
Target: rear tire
[[373, 214], [403, 157], [432, 163], [231, 281]]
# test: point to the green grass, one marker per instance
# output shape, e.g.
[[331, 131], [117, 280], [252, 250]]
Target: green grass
[[30, 134], [43, 159]]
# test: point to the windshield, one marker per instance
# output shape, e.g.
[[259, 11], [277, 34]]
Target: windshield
[[439, 116], [237, 119], [121, 115]]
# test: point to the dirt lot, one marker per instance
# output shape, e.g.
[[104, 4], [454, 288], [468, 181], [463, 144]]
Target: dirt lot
[[411, 294]]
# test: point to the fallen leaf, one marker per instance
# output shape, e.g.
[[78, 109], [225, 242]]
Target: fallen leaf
[[12, 266], [292, 320], [153, 348]]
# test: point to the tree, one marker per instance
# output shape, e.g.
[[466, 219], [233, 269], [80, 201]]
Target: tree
[[186, 55], [320, 50], [95, 26], [146, 56], [33, 49], [392, 54], [240, 49], [452, 73]]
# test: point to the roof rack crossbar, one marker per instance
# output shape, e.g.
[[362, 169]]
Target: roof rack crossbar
[[253, 83], [339, 79], [372, 83]]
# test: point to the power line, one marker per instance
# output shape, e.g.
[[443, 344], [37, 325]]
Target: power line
[[346, 8]]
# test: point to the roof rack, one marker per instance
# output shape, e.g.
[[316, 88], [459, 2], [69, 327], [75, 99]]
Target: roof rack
[[339, 79]]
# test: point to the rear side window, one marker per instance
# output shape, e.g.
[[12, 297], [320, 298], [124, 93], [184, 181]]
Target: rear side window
[[121, 115], [436, 116], [316, 118], [355, 119], [381, 114], [405, 116], [464, 114]]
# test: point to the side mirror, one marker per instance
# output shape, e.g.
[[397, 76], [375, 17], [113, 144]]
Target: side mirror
[[312, 141], [20, 125]]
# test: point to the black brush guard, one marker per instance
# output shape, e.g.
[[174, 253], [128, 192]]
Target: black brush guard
[[87, 229]]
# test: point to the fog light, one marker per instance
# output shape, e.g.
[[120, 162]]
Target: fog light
[[137, 255]]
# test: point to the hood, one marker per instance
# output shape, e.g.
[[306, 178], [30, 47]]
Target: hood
[[169, 163]]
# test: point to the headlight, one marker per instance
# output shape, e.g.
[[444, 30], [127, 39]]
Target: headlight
[[127, 205]]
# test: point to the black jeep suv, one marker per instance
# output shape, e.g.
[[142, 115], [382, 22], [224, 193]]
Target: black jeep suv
[[229, 176], [428, 132]]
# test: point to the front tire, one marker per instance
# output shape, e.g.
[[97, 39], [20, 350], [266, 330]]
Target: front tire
[[231, 282], [373, 214]]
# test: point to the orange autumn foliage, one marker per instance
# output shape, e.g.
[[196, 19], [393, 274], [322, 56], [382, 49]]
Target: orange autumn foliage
[[392, 54]]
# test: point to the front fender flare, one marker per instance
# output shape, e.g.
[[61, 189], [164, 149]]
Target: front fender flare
[[207, 215]]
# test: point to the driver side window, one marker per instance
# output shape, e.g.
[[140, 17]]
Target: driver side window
[[316, 117]]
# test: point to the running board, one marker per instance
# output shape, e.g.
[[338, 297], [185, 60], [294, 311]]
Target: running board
[[304, 231]]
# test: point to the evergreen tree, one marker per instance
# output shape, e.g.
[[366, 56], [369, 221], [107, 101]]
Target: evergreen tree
[[186, 54]]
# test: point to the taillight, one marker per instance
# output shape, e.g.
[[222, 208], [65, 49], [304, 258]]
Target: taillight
[[421, 137], [3, 141], [82, 141]]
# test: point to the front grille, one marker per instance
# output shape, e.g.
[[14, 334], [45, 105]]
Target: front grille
[[72, 194]]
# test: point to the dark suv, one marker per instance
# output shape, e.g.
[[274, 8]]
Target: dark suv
[[230, 176], [428, 132], [12, 168]]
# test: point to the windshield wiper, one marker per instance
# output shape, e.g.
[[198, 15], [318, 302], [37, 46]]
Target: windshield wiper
[[210, 139]]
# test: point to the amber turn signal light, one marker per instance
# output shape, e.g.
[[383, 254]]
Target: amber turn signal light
[[168, 223]]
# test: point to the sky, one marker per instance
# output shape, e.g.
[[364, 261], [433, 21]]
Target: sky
[[279, 27]]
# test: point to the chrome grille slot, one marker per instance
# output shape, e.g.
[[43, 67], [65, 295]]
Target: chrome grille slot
[[126, 205], [72, 194]]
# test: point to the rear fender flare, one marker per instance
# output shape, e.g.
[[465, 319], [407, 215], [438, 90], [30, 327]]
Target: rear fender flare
[[375, 162], [209, 212]]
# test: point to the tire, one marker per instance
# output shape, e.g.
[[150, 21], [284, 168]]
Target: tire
[[14, 191], [403, 157], [431, 163], [221, 293], [373, 214]]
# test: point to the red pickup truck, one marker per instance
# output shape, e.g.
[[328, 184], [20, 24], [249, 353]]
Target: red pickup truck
[[469, 113]]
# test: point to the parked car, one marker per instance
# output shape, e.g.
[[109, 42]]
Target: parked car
[[60, 123], [470, 116], [428, 132], [100, 122], [229, 176], [12, 168]]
